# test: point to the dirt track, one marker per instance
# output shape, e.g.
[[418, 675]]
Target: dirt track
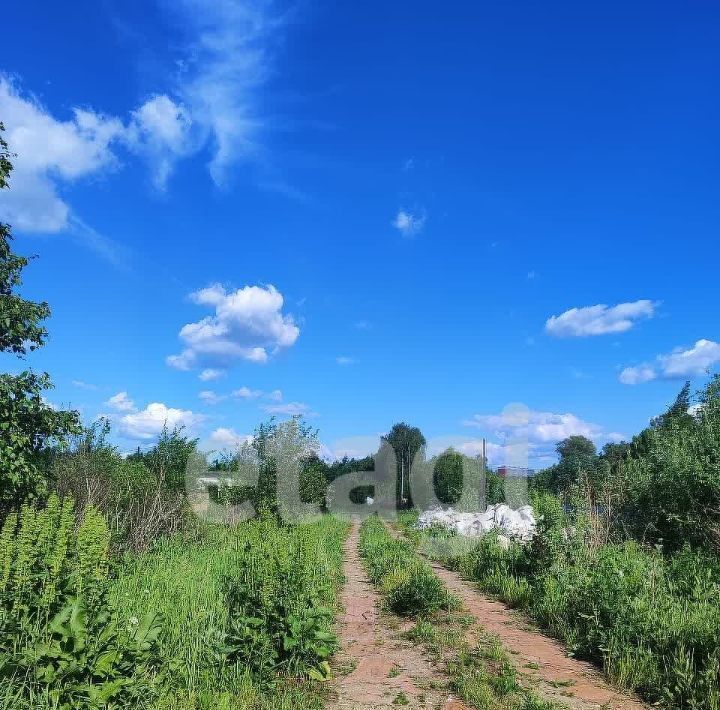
[[375, 668], [557, 677]]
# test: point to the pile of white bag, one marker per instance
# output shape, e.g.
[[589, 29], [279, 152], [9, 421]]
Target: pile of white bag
[[518, 524]]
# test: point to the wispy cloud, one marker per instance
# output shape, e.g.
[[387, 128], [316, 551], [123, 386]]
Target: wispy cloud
[[209, 103], [600, 319], [408, 223], [344, 360], [290, 409], [84, 385]]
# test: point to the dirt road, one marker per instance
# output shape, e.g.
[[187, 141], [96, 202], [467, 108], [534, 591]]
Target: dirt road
[[375, 667]]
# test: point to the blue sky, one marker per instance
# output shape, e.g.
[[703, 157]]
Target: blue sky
[[368, 212]]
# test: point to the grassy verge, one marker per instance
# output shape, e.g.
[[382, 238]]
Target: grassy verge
[[248, 613], [651, 621], [479, 670]]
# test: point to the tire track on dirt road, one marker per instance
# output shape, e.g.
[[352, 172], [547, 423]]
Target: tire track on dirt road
[[543, 661], [385, 670]]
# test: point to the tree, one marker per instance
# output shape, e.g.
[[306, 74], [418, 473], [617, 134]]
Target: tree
[[678, 414], [578, 464], [169, 457], [313, 480], [27, 424], [406, 441], [448, 477]]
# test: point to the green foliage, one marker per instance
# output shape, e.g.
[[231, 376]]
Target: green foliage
[[653, 622], [246, 606], [136, 501], [168, 459], [313, 481], [277, 471], [406, 441], [59, 638], [21, 328], [409, 585], [27, 423], [448, 477]]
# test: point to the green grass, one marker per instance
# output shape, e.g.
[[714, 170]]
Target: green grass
[[409, 586], [277, 572], [651, 622], [481, 673]]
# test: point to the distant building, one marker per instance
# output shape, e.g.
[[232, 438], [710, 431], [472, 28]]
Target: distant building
[[514, 472]]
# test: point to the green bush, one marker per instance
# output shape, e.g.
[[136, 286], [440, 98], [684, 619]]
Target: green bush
[[652, 622], [409, 586], [246, 606], [60, 641]]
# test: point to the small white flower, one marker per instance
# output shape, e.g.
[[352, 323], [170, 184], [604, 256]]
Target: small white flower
[[134, 620]]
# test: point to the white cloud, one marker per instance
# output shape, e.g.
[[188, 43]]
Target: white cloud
[[691, 362], [210, 101], [681, 363], [600, 319], [227, 61], [290, 409], [160, 131], [84, 385], [407, 223], [248, 325], [275, 396], [210, 397], [51, 153], [229, 438], [211, 374], [354, 447], [246, 393], [637, 375], [536, 427], [149, 423], [121, 402], [469, 447], [343, 360]]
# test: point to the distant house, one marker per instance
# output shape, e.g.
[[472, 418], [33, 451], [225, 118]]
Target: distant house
[[514, 472]]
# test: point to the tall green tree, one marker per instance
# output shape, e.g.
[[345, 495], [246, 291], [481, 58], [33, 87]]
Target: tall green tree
[[27, 424], [406, 441]]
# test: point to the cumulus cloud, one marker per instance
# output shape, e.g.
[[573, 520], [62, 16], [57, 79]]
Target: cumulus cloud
[[681, 363], [354, 447], [149, 422], [210, 397], [275, 396], [210, 374], [600, 319], [225, 438], [637, 375], [51, 153], [248, 325], [121, 402], [536, 427], [407, 223]]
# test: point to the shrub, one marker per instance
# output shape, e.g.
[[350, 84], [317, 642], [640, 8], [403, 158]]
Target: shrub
[[409, 585], [59, 638]]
